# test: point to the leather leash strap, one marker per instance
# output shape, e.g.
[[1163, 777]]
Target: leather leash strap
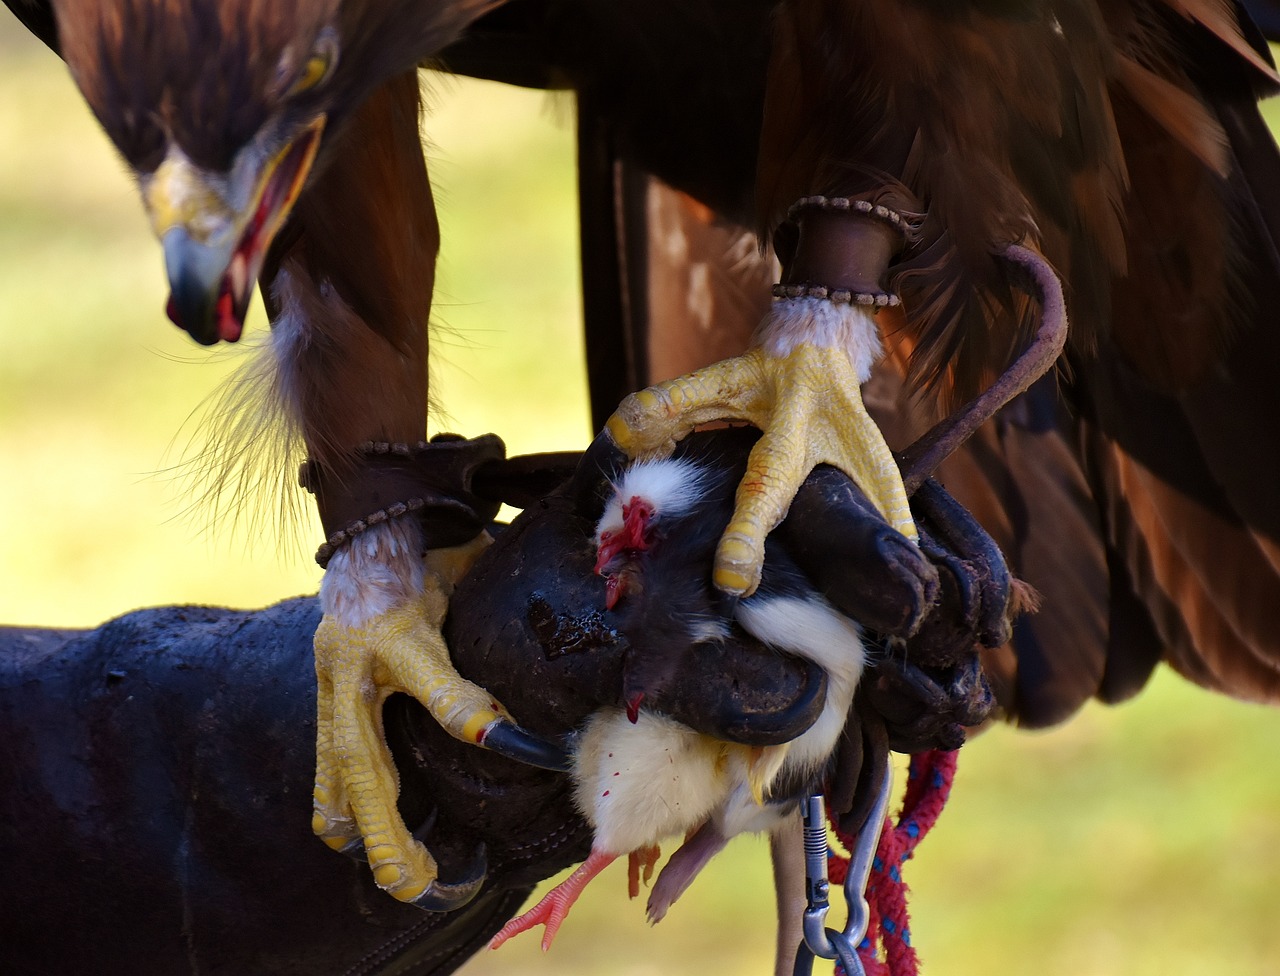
[[452, 485]]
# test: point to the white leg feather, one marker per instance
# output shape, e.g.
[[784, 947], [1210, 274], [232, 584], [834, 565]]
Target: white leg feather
[[792, 322]]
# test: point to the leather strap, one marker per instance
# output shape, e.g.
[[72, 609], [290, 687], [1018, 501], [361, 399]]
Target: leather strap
[[430, 481], [454, 486]]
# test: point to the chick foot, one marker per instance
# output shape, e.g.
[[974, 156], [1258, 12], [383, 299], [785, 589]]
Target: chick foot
[[555, 905]]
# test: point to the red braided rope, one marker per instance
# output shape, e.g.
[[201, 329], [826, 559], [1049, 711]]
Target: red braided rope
[[886, 950]]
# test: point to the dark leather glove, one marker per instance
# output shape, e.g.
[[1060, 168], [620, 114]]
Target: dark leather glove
[[158, 770], [529, 624]]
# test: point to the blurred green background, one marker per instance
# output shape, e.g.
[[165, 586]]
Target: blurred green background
[[1138, 840]]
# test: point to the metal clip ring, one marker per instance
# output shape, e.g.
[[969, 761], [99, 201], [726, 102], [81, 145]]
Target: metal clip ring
[[818, 939]]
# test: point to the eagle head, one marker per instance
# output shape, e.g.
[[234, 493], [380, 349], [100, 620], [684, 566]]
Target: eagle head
[[222, 108]]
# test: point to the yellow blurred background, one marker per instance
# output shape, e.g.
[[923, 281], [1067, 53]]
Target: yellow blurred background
[[1138, 840]]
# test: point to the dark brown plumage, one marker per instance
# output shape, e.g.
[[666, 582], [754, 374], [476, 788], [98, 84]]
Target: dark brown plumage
[[1135, 489], [1037, 123], [211, 76], [1119, 138]]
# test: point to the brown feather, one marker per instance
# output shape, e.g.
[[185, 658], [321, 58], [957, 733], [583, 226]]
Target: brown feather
[[863, 96], [1212, 585], [355, 270], [1183, 116], [1172, 312], [708, 285], [1218, 16], [212, 74]]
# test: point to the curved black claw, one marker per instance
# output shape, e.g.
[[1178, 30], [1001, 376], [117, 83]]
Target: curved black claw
[[354, 849], [508, 739], [442, 896]]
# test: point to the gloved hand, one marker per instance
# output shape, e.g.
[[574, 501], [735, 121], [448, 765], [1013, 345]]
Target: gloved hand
[[529, 623]]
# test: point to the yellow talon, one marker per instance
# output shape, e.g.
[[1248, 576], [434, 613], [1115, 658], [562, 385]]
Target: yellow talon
[[734, 558], [620, 431], [358, 666], [387, 876], [808, 404]]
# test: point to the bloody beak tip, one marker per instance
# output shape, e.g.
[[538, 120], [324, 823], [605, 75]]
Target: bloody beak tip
[[612, 592]]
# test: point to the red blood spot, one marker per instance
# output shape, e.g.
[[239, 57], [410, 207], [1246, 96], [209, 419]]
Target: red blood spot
[[631, 539], [633, 707], [605, 793], [607, 550], [636, 515]]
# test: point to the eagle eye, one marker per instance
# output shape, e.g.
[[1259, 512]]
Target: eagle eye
[[319, 65]]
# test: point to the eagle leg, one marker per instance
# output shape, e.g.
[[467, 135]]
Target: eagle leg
[[358, 666], [806, 398], [800, 383], [349, 285]]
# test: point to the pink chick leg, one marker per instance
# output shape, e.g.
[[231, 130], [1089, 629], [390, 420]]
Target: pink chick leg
[[554, 908]]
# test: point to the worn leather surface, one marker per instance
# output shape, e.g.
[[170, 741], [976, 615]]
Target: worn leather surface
[[155, 791]]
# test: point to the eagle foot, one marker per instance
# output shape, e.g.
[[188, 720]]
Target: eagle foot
[[359, 664], [807, 402], [447, 896]]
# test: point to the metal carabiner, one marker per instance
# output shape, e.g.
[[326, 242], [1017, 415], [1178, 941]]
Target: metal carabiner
[[818, 939]]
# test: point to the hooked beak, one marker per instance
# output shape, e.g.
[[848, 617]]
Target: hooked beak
[[213, 249], [615, 546]]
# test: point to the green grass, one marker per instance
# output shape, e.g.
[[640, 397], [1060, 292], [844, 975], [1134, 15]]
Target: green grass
[[1138, 840]]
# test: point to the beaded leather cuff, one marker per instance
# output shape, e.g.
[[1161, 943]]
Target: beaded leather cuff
[[433, 482]]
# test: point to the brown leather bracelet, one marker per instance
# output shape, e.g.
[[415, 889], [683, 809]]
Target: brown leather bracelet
[[430, 481]]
